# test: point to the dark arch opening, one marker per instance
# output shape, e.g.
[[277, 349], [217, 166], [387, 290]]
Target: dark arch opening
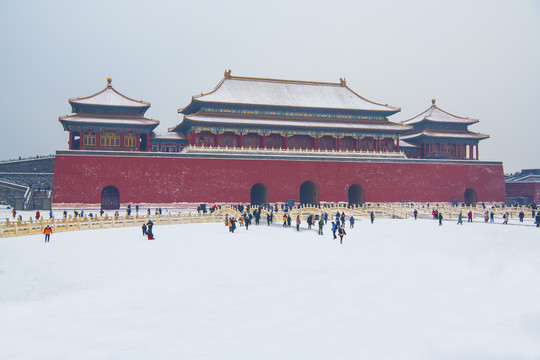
[[259, 194], [356, 194], [309, 193], [110, 198], [470, 197]]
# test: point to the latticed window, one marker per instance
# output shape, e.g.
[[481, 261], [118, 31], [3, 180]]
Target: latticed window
[[89, 138], [130, 140], [251, 141], [326, 143], [298, 142], [367, 144], [228, 140], [273, 142], [347, 143], [110, 139], [205, 138]]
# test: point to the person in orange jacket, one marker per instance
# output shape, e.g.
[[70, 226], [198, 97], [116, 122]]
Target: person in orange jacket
[[47, 232]]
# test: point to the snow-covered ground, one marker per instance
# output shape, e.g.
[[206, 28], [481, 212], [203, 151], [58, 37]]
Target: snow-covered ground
[[396, 289]]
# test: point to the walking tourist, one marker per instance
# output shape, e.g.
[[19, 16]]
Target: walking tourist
[[341, 233], [47, 232]]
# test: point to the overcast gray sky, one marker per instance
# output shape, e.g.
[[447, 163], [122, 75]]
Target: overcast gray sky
[[479, 59]]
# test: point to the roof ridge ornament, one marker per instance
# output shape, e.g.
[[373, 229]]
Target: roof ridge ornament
[[109, 80], [342, 82], [433, 101], [228, 74]]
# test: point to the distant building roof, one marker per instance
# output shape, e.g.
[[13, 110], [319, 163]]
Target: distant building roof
[[524, 179], [437, 115], [442, 133], [168, 136], [108, 97], [403, 143], [288, 93]]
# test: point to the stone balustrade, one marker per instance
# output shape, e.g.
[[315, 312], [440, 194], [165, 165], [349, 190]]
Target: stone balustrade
[[386, 210], [270, 151]]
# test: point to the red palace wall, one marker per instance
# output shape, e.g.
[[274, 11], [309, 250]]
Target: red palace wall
[[80, 178], [530, 190]]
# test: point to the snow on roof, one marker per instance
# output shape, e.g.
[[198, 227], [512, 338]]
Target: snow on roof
[[168, 135], [446, 134], [380, 125], [108, 119], [243, 90], [437, 115], [525, 179], [404, 143], [109, 97]]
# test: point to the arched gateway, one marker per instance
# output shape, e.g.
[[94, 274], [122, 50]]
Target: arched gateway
[[356, 194], [309, 193], [470, 196], [110, 198], [259, 194]]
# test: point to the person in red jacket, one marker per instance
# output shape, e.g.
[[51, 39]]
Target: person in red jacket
[[470, 216]]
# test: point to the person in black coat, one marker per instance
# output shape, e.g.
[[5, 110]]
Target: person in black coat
[[537, 219], [144, 229], [341, 233], [150, 226], [440, 218], [415, 214], [372, 217]]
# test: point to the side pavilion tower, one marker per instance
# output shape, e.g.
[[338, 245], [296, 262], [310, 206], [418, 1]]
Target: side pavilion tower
[[108, 120], [441, 135], [285, 114]]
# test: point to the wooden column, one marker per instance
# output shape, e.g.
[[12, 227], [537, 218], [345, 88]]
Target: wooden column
[[425, 150], [286, 141], [81, 140], [264, 141], [316, 142], [98, 139], [217, 138], [148, 141], [476, 151], [337, 143], [358, 143], [70, 140], [138, 141], [397, 144], [240, 140], [121, 141]]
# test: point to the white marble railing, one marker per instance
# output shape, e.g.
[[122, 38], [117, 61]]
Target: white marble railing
[[257, 150]]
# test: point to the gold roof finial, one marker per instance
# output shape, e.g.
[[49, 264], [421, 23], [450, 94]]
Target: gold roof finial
[[433, 101], [343, 82], [227, 74], [109, 80]]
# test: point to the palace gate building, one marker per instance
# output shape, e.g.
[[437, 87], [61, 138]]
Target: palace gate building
[[254, 140]]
